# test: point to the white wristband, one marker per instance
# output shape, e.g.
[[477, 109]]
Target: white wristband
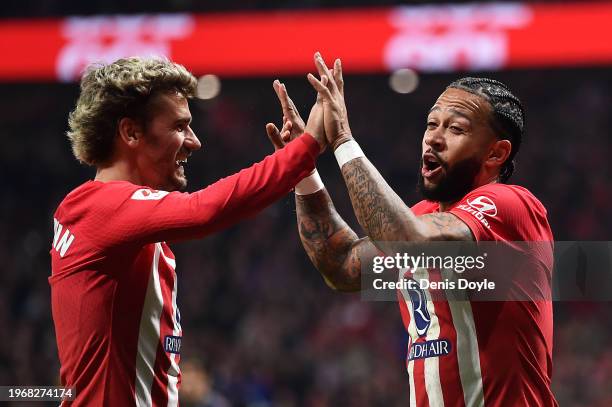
[[310, 184], [348, 151]]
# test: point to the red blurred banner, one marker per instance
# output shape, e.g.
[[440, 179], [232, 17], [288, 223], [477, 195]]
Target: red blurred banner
[[427, 38]]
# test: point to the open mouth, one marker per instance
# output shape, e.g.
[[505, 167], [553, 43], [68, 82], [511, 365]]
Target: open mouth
[[431, 165], [181, 159]]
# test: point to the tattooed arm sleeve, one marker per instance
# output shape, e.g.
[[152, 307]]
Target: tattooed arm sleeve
[[385, 217], [332, 246]]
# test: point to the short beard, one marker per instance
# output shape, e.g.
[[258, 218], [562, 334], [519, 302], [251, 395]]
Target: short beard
[[180, 186], [454, 185]]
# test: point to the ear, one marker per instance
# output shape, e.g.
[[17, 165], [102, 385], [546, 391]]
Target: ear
[[130, 132], [498, 153]]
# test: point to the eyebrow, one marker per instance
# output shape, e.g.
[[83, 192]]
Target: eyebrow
[[183, 119], [453, 111]]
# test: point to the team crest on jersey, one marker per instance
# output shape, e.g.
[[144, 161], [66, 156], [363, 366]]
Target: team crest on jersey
[[145, 194], [422, 319]]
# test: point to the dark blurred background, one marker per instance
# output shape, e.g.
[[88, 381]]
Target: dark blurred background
[[261, 327]]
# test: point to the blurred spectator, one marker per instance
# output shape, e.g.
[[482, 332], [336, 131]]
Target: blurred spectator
[[196, 387]]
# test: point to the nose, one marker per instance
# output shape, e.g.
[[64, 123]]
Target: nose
[[435, 138], [192, 141]]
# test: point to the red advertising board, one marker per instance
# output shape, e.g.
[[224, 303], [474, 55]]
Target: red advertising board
[[428, 38]]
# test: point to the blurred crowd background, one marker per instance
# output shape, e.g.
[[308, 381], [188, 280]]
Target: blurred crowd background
[[260, 326]]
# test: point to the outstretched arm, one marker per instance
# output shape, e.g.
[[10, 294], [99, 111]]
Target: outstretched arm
[[141, 215]]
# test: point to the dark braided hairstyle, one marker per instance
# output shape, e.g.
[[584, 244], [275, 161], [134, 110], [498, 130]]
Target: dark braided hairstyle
[[508, 118]]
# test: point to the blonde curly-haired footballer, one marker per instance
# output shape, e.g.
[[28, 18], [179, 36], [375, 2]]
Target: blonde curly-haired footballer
[[123, 88], [113, 282]]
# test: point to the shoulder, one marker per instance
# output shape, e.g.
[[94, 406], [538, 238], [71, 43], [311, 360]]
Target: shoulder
[[423, 207], [503, 196], [504, 212], [100, 198], [99, 193], [76, 197]]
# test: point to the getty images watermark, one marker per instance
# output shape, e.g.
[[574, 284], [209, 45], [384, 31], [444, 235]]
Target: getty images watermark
[[473, 271], [410, 278], [489, 271]]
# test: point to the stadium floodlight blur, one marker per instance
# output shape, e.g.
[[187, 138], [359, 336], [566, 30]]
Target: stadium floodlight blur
[[404, 80], [209, 86]]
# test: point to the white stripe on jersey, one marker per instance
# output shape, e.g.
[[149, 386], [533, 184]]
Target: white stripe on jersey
[[173, 369], [148, 334], [468, 356], [171, 262], [433, 385]]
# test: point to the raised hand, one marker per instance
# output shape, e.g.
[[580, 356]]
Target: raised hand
[[330, 89], [293, 125]]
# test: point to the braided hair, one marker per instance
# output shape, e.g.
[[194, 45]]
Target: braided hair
[[508, 115]]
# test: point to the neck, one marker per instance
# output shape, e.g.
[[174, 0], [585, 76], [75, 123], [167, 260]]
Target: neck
[[119, 171], [445, 206]]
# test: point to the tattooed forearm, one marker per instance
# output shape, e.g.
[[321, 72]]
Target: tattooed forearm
[[385, 217], [379, 210], [335, 249], [330, 243]]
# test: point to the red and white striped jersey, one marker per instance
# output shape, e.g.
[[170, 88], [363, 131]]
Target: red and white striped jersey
[[484, 353], [113, 282]]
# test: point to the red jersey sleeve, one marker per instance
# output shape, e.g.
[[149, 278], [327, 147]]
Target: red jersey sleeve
[[125, 213], [503, 213]]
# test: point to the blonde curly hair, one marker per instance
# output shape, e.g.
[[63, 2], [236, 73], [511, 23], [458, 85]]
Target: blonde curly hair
[[120, 89]]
